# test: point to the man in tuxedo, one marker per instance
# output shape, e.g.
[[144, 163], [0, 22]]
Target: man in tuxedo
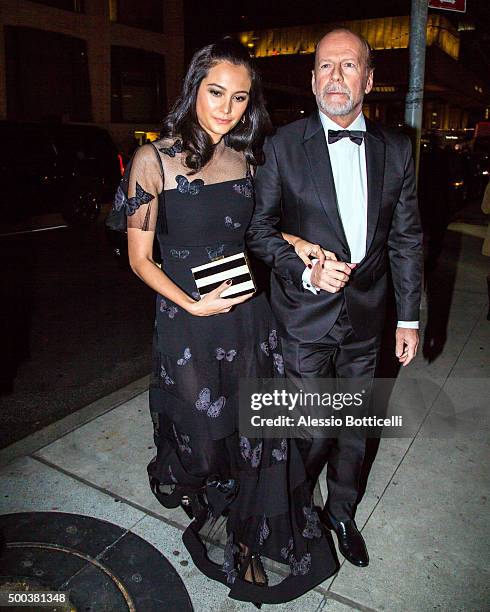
[[338, 180]]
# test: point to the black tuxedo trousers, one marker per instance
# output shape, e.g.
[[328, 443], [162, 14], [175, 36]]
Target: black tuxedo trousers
[[339, 354]]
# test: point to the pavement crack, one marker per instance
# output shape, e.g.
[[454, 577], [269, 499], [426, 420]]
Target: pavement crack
[[99, 558]]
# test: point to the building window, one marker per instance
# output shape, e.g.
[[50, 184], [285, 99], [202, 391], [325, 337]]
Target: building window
[[68, 5], [47, 76], [137, 86], [145, 14]]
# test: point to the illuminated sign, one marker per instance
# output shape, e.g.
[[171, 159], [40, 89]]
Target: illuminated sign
[[449, 5]]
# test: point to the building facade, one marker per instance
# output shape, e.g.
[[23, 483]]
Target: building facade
[[113, 63], [454, 97]]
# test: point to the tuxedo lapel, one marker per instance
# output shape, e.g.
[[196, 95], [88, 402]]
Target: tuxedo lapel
[[321, 171], [375, 165]]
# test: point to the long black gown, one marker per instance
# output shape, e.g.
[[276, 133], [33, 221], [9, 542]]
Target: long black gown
[[254, 490]]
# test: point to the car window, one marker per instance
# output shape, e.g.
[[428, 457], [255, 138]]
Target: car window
[[86, 143], [25, 143]]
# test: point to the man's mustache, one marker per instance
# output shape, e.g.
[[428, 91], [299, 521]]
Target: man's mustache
[[336, 89]]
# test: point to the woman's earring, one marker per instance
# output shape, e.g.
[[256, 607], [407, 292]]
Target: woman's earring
[[243, 119]]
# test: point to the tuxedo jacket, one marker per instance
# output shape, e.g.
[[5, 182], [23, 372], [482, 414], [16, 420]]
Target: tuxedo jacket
[[295, 193]]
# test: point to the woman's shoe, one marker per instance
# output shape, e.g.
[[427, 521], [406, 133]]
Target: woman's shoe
[[168, 500], [185, 504], [192, 504], [258, 574]]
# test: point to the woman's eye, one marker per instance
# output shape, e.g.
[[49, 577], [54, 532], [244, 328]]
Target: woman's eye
[[240, 98], [215, 92]]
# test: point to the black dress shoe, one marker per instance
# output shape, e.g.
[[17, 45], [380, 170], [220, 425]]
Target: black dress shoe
[[351, 542]]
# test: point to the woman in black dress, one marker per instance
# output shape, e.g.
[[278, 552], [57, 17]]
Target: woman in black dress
[[254, 489]]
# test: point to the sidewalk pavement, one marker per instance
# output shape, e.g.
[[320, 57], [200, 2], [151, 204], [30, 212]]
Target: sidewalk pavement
[[424, 515]]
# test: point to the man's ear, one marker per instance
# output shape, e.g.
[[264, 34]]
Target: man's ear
[[313, 82], [369, 81]]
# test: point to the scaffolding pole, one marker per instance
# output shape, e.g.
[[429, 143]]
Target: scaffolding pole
[[415, 95]]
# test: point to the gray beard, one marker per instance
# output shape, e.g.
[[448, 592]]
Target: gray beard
[[339, 109]]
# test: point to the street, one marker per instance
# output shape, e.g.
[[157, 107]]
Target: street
[[74, 326]]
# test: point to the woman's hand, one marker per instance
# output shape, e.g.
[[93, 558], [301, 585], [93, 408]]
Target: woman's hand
[[212, 303], [306, 250]]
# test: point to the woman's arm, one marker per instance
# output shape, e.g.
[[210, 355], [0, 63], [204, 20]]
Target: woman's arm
[[140, 251], [305, 249]]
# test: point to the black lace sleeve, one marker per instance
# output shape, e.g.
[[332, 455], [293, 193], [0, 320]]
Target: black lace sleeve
[[140, 189]]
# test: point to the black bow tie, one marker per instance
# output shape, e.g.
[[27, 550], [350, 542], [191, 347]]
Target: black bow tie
[[355, 135]]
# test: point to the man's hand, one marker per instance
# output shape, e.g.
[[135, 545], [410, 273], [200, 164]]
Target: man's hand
[[332, 276], [407, 341]]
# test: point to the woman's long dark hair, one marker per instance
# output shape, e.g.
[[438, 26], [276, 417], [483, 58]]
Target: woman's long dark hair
[[182, 120]]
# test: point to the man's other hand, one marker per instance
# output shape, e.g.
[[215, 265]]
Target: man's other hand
[[407, 341], [332, 276]]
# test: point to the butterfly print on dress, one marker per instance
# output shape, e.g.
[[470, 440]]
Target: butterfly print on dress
[[271, 344], [131, 204], [286, 551], [230, 224], [268, 347], [180, 253], [281, 454], [245, 190], [264, 531], [228, 355], [187, 355], [279, 363], [182, 441], [250, 454], [192, 188], [297, 567], [203, 402], [171, 151], [228, 566], [302, 566], [119, 199], [312, 528], [166, 378], [170, 310], [215, 252]]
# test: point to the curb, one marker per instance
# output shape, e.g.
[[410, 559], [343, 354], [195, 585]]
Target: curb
[[34, 442]]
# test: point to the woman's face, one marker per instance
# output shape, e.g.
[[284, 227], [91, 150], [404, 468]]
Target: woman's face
[[222, 98]]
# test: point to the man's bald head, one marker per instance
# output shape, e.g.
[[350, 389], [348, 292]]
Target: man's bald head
[[366, 48]]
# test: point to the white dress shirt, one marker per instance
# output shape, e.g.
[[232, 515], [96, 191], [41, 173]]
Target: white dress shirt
[[348, 162]]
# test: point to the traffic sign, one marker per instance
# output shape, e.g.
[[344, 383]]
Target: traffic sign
[[449, 5]]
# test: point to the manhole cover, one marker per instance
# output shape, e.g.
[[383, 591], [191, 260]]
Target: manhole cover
[[102, 567]]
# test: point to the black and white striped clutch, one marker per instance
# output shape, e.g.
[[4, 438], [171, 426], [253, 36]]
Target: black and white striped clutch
[[234, 267]]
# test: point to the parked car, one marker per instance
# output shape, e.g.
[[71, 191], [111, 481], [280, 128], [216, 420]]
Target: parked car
[[443, 180], [65, 168], [481, 162]]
